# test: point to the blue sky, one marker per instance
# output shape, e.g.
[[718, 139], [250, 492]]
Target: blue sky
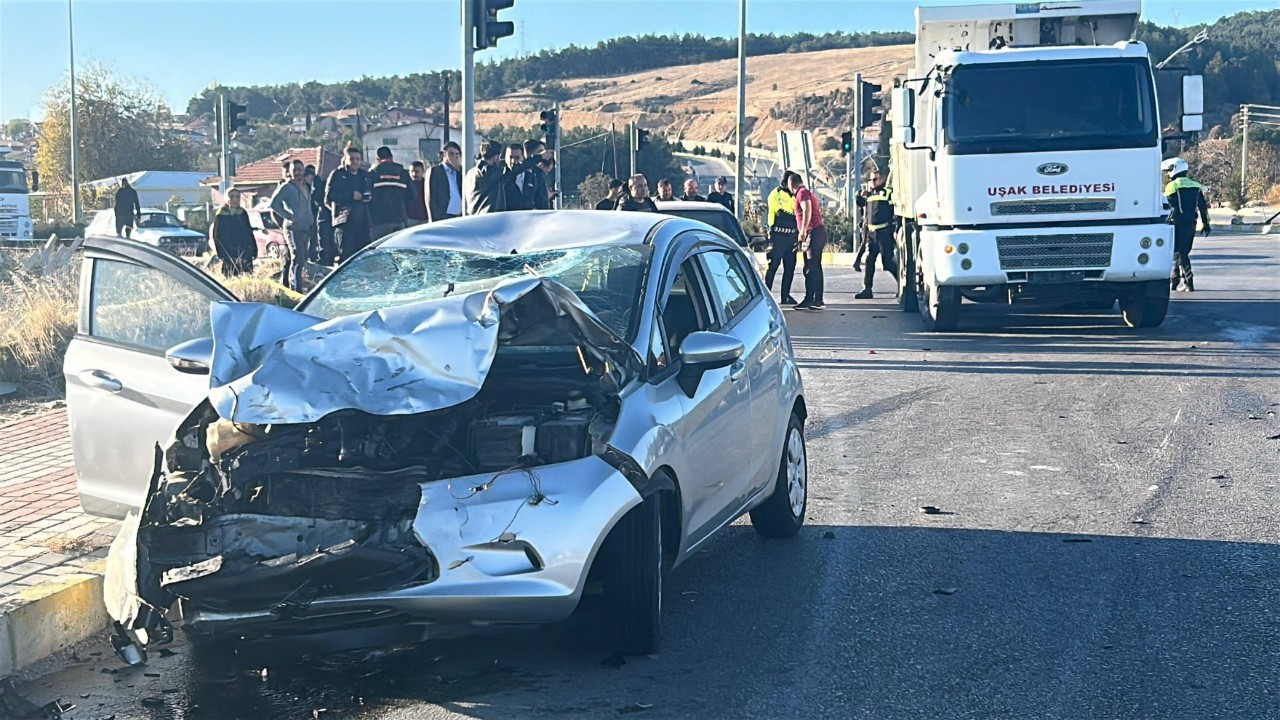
[[182, 46]]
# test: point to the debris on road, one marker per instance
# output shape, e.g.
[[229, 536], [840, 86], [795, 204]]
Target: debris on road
[[638, 707], [153, 702], [1219, 477], [931, 510], [828, 535], [1138, 521], [613, 662], [1077, 540], [1274, 437], [945, 591], [13, 704]]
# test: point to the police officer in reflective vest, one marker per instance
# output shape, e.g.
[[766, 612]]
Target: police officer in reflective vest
[[879, 224], [1186, 200]]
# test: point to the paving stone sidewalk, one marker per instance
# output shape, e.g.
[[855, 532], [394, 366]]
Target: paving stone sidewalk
[[46, 543]]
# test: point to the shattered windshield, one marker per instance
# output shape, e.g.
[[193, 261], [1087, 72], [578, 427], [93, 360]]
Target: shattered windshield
[[606, 278]]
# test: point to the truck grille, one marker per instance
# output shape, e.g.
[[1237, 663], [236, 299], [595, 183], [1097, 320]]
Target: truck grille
[[1022, 252], [1038, 207], [8, 226]]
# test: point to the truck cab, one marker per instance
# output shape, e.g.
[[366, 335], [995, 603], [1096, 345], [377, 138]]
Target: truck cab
[[15, 208], [1026, 162]]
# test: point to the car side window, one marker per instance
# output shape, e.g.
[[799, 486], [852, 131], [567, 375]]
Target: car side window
[[683, 311], [145, 307], [731, 288]]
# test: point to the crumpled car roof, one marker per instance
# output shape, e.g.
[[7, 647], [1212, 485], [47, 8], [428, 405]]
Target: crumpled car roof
[[273, 365], [530, 231]]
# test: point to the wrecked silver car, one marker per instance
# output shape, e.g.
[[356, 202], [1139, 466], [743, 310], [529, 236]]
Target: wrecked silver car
[[452, 432]]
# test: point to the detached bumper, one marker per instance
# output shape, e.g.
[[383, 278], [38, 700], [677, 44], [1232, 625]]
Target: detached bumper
[[512, 548], [1096, 253]]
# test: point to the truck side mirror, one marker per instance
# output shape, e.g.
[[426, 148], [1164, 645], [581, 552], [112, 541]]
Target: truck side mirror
[[903, 115], [1192, 103], [35, 180]]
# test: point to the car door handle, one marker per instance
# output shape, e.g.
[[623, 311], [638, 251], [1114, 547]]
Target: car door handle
[[101, 380], [737, 371]]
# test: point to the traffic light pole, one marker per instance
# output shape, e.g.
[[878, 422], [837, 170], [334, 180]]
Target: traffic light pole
[[224, 161], [853, 180], [468, 84], [631, 142]]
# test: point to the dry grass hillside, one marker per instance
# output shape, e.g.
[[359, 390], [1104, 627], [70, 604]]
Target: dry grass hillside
[[698, 102]]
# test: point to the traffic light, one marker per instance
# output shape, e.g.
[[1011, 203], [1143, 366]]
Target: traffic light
[[550, 125], [642, 138], [846, 143], [234, 119], [869, 104], [489, 30]]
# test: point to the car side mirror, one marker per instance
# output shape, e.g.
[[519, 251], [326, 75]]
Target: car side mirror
[[1192, 103], [903, 115], [702, 351], [193, 356]]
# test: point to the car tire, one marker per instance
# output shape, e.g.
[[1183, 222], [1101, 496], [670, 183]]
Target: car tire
[[633, 585], [781, 515], [1146, 305], [274, 250], [907, 298]]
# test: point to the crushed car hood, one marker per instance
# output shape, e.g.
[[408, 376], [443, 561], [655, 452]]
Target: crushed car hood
[[273, 365]]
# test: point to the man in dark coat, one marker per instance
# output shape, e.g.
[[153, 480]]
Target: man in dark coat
[[721, 194], [128, 211], [444, 185], [232, 237], [347, 193], [392, 194]]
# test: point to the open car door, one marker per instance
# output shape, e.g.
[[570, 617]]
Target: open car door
[[137, 365]]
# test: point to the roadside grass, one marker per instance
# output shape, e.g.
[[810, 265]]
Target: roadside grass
[[38, 307]]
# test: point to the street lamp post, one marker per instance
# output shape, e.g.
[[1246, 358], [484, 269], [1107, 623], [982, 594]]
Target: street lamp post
[[742, 106], [75, 147]]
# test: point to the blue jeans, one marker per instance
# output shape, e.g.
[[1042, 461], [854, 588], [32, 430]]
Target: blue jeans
[[297, 249]]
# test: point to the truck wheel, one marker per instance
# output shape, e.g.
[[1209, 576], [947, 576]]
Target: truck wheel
[[908, 300], [941, 307], [782, 514], [1146, 305], [633, 584]]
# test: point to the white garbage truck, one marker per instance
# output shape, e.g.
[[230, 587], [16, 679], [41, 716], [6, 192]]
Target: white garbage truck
[[1025, 161], [15, 206]]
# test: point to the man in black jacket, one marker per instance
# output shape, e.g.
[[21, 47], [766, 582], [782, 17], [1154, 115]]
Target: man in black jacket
[[637, 199], [526, 183], [721, 194], [444, 185], [537, 197], [484, 187], [392, 194], [128, 211], [347, 193]]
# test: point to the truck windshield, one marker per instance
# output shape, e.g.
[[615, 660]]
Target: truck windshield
[[1047, 106], [12, 181]]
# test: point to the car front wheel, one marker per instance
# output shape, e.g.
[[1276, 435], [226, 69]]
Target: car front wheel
[[782, 514], [633, 587]]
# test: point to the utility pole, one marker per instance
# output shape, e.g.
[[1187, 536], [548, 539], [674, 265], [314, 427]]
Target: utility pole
[[75, 145], [447, 127], [742, 106], [1244, 150], [468, 84]]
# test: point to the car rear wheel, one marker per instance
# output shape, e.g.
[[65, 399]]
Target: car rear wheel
[[782, 514], [633, 585]]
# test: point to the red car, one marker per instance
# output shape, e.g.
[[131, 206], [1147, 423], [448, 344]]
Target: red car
[[266, 232]]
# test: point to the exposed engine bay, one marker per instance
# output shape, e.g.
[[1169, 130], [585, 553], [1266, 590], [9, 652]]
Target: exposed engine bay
[[272, 516]]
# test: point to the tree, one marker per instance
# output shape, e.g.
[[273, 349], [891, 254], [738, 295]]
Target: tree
[[121, 129], [592, 189]]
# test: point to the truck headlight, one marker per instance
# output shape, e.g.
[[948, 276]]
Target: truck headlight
[[1159, 242], [962, 248], [966, 263], [1145, 243], [1142, 259]]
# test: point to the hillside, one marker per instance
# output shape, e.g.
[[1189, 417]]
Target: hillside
[[699, 102]]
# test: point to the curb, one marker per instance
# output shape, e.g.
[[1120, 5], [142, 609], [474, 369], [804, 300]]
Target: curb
[[51, 616]]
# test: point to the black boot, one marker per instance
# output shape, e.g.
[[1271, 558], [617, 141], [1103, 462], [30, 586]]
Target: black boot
[[1191, 286], [864, 295]]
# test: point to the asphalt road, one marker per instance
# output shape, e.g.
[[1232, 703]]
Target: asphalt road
[[1106, 547]]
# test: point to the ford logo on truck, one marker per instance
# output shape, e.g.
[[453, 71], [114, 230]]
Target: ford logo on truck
[[1052, 169]]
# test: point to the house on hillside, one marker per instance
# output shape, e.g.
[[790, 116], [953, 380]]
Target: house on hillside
[[413, 141], [157, 187], [259, 179], [394, 116], [349, 118]]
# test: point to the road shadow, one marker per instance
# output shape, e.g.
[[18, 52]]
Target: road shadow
[[842, 621]]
